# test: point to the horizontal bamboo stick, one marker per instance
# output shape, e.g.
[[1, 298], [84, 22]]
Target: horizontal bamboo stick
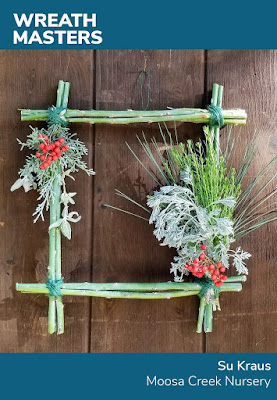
[[235, 117], [156, 291]]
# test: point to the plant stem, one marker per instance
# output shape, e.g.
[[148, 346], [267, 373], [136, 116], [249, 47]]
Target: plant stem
[[240, 278], [51, 269], [214, 103], [58, 261], [234, 117], [217, 129], [62, 101], [115, 294], [208, 318], [106, 289], [60, 93], [201, 312]]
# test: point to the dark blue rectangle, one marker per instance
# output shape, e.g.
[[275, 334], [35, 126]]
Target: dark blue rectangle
[[156, 25], [124, 376]]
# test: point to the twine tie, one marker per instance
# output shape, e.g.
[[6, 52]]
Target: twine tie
[[207, 284], [54, 286], [216, 117], [56, 115]]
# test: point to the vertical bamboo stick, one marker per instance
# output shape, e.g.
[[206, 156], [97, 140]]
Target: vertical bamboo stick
[[214, 103], [51, 270], [201, 313], [217, 129], [54, 269], [58, 264], [61, 102], [208, 318]]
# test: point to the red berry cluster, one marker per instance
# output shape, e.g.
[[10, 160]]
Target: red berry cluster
[[50, 151], [202, 265]]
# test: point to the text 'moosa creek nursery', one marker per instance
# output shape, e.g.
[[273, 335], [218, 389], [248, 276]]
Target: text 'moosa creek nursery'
[[227, 380]]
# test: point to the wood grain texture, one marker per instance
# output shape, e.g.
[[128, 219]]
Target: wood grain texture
[[124, 247], [28, 79], [111, 246], [248, 321]]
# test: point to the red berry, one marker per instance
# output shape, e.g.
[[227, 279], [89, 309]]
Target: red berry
[[216, 272], [42, 157], [200, 275], [224, 277], [214, 277], [211, 267], [57, 143], [195, 261], [219, 264], [42, 145], [202, 256], [62, 140], [40, 136], [49, 158], [55, 158], [219, 283], [41, 166], [48, 147], [205, 268], [222, 269], [53, 153], [66, 146], [38, 154], [63, 149], [203, 247]]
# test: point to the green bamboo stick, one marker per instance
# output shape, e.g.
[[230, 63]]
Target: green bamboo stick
[[214, 103], [58, 262], [108, 288], [117, 294], [208, 318], [201, 313], [51, 269], [28, 114], [194, 118], [217, 129], [239, 278], [60, 93], [235, 117], [62, 101]]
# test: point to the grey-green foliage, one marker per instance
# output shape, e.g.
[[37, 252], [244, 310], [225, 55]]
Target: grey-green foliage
[[32, 177], [180, 222]]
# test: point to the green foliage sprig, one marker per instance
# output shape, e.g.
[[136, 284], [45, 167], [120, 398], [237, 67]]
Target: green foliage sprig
[[201, 200], [32, 176]]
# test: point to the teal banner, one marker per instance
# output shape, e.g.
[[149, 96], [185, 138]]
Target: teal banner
[[138, 376], [139, 25]]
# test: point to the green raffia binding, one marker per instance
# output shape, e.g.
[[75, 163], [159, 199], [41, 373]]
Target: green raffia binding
[[56, 115], [216, 117], [54, 287]]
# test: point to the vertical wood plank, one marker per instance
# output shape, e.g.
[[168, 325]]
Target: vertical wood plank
[[248, 320], [125, 248], [28, 79]]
